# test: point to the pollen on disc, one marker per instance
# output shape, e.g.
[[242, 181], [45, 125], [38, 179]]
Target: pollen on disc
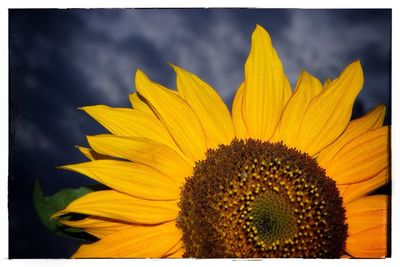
[[259, 199]]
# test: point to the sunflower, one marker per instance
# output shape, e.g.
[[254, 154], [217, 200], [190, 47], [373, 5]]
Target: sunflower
[[286, 174]]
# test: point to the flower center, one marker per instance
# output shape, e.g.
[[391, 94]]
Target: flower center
[[259, 199], [271, 218]]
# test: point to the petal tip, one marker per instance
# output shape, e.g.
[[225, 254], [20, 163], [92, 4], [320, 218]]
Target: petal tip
[[59, 213], [356, 65], [381, 108], [259, 28], [305, 73], [89, 109], [65, 167], [353, 72], [260, 32], [78, 167], [175, 67], [178, 70], [141, 81], [84, 108], [138, 72]]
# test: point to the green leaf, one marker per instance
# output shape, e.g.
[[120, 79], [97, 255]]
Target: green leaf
[[47, 206]]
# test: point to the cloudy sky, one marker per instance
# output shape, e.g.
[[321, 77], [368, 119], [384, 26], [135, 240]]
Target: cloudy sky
[[64, 59]]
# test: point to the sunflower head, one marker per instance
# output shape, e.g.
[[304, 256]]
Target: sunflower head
[[261, 199]]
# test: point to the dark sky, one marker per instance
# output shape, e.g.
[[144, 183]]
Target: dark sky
[[64, 59]]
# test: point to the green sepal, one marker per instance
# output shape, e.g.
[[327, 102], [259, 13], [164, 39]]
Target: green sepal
[[46, 206]]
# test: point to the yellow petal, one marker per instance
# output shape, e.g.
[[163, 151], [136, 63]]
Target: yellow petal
[[208, 105], [92, 155], [360, 159], [329, 113], [177, 255], [86, 151], [140, 104], [117, 206], [345, 256], [368, 244], [327, 82], [132, 178], [267, 88], [129, 122], [369, 121], [134, 242], [177, 116], [238, 123], [358, 190], [366, 213], [342, 189], [97, 226], [289, 125], [142, 150], [174, 249], [211, 143]]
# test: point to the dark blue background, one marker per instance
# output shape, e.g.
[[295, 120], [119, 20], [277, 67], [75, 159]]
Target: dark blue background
[[64, 59]]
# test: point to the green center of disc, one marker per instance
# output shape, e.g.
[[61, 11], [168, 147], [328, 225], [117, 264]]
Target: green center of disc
[[273, 218]]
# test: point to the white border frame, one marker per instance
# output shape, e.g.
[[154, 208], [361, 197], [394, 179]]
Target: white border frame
[[342, 4]]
